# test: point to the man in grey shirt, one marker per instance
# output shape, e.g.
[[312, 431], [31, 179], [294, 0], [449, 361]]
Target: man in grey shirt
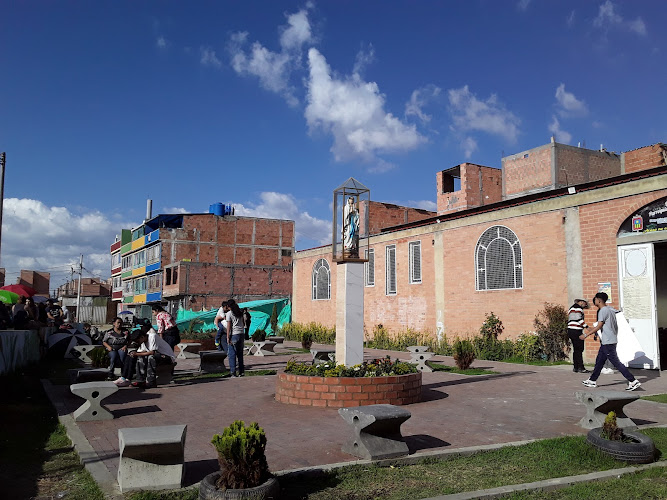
[[609, 338]]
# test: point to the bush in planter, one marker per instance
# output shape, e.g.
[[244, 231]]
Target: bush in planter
[[99, 357], [258, 336], [628, 446], [464, 353], [241, 455], [381, 367], [306, 340]]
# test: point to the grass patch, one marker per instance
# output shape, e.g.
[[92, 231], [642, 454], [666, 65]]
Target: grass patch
[[297, 350], [439, 367], [651, 483], [37, 456], [511, 465], [540, 362], [188, 494], [658, 398]]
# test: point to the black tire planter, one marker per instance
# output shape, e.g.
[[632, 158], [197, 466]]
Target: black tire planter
[[640, 451], [270, 490]]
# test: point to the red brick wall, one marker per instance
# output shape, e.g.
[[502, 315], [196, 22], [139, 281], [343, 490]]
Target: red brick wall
[[578, 165], [383, 215], [599, 225], [533, 172], [479, 186], [645, 158], [36, 279], [304, 308], [342, 392]]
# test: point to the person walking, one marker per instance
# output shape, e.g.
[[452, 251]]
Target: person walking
[[575, 327], [166, 326], [234, 319], [608, 329]]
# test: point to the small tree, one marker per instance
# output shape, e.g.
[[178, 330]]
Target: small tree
[[274, 319], [464, 353], [492, 327], [551, 327]]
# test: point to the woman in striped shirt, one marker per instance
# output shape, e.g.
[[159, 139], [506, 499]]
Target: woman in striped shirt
[[575, 327]]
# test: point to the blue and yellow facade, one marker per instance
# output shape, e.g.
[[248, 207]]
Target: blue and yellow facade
[[142, 267]]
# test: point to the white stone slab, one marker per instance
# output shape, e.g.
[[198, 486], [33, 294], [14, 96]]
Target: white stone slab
[[349, 313]]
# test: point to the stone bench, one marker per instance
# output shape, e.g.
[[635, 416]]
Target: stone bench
[[151, 457], [419, 355], [277, 340], [263, 348], [188, 350], [322, 355], [212, 361], [164, 373], [93, 393], [376, 431], [82, 375], [600, 403], [83, 351]]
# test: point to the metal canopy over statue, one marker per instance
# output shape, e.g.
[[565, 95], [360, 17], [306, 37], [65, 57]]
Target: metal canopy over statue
[[351, 201], [350, 252]]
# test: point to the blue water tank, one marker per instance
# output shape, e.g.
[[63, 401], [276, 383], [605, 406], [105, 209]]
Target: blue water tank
[[217, 209]]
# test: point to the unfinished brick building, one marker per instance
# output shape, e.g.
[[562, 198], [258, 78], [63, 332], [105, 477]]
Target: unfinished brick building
[[554, 224], [196, 261]]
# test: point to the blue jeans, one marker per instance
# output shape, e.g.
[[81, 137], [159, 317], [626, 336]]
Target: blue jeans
[[234, 353], [608, 352], [116, 358], [221, 339]]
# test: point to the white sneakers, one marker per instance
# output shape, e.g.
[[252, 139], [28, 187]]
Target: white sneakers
[[122, 382], [633, 385], [607, 371], [590, 383]]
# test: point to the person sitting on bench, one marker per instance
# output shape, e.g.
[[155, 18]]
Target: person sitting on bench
[[153, 351]]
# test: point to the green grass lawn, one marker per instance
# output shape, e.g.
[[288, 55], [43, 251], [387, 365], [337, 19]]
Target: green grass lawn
[[540, 362], [36, 455], [511, 465], [658, 398], [439, 367]]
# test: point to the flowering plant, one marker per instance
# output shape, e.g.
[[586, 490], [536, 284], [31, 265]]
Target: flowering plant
[[380, 367]]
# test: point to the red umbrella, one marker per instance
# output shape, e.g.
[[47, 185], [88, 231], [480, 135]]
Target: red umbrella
[[25, 290]]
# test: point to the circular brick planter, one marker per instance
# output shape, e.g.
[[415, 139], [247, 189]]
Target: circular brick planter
[[339, 392]]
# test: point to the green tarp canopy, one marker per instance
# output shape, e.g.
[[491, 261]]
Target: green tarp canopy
[[260, 312]]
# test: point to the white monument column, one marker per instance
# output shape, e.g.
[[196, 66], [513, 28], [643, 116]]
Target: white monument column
[[349, 313]]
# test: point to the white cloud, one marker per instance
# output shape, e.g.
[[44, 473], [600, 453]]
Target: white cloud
[[161, 43], [284, 206], [570, 19], [523, 4], [424, 205], [561, 135], [273, 69], [209, 58], [364, 58], [36, 236], [568, 104], [175, 210], [419, 99], [470, 114], [608, 19], [352, 110]]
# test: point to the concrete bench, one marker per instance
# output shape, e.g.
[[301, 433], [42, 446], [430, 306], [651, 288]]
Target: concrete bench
[[263, 348], [600, 403], [277, 340], [93, 393], [151, 457], [188, 350], [419, 355], [83, 351], [82, 375], [322, 355], [376, 431], [212, 361], [164, 373]]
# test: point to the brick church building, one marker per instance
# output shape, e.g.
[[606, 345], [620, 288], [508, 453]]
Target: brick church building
[[555, 223]]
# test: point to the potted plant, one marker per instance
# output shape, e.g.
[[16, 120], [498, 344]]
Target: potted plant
[[244, 472], [190, 335], [306, 340], [628, 446], [259, 335]]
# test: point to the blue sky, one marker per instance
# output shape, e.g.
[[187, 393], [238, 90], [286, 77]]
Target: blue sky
[[271, 105]]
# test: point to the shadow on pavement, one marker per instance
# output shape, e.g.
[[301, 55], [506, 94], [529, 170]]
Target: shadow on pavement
[[124, 412], [475, 378], [418, 442], [195, 471]]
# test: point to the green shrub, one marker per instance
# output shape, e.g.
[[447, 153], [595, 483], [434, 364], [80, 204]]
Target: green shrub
[[274, 319], [551, 328], [380, 367], [306, 340], [464, 353], [241, 455], [528, 347], [99, 357], [318, 332], [258, 336], [492, 327]]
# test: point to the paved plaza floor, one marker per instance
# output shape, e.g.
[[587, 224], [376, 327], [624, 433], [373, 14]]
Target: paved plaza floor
[[521, 402]]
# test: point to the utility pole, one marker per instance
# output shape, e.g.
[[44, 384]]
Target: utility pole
[[3, 158], [78, 295]]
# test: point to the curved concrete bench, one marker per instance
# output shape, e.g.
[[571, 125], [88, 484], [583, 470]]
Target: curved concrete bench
[[83, 351], [376, 431], [419, 355], [277, 340], [93, 393], [321, 355], [188, 350], [264, 348], [212, 361], [600, 403], [151, 457]]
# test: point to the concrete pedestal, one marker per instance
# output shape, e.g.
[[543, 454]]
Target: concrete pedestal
[[349, 313]]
